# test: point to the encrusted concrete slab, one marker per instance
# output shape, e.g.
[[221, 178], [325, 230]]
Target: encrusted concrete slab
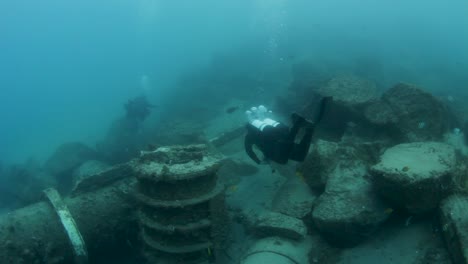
[[416, 176], [294, 199], [276, 224], [320, 162], [349, 211], [454, 221], [411, 112]]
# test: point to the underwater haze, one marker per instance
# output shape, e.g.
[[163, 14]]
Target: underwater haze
[[67, 67]]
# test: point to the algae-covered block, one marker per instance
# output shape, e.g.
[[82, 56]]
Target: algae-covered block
[[276, 224], [454, 221], [416, 176]]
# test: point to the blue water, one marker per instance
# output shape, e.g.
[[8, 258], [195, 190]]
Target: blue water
[[67, 67]]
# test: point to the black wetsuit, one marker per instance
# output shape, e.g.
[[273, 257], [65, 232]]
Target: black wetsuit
[[277, 143]]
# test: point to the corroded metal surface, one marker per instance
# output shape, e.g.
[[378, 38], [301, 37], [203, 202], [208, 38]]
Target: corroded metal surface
[[181, 203]]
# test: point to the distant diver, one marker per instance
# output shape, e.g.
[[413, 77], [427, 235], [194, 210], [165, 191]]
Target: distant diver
[[138, 108], [277, 141], [123, 141]]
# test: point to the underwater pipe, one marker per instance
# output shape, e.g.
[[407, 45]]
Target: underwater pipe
[[105, 218], [276, 250]]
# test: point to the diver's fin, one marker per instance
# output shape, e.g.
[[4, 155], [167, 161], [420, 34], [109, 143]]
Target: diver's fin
[[324, 102], [297, 119]]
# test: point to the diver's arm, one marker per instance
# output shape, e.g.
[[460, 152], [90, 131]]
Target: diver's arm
[[248, 144]]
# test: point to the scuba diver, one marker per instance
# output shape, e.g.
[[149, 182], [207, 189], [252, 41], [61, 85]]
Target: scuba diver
[[138, 108], [277, 141]]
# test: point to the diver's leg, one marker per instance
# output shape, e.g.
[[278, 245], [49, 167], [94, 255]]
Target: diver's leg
[[284, 150], [298, 122], [299, 151]]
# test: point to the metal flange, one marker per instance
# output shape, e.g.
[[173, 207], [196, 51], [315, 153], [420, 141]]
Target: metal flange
[[69, 225]]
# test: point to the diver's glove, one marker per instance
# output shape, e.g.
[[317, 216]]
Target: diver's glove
[[260, 113], [250, 116]]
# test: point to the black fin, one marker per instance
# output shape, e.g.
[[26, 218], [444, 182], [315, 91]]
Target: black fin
[[324, 102]]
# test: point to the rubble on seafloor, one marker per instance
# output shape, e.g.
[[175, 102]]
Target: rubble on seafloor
[[383, 176]]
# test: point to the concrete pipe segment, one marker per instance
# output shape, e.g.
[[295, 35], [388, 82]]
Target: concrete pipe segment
[[34, 234], [275, 250]]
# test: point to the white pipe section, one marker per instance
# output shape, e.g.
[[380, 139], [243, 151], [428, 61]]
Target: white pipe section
[[275, 250]]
